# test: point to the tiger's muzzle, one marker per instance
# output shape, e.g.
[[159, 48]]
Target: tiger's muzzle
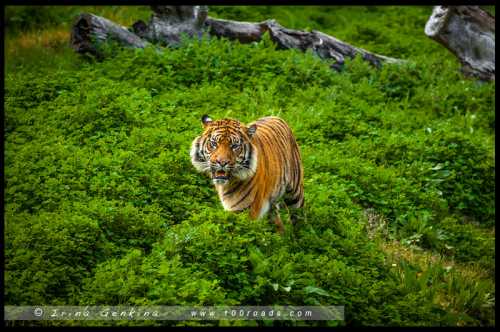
[[221, 172]]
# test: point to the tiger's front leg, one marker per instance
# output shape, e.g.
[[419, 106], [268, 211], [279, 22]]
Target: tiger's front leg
[[276, 218], [259, 208]]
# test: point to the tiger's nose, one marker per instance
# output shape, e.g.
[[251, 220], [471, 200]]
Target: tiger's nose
[[222, 162]]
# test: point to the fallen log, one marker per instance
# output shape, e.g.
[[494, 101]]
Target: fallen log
[[245, 32], [469, 33], [168, 23], [323, 45], [90, 31]]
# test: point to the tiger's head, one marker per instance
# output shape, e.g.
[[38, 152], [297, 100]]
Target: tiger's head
[[225, 151]]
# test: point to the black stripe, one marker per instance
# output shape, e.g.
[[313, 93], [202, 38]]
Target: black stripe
[[246, 194], [292, 201], [199, 150], [233, 189], [295, 181], [248, 159]]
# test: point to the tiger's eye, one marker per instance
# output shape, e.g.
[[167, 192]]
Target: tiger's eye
[[235, 146], [213, 144]]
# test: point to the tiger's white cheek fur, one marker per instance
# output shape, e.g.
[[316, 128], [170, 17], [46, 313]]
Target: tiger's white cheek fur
[[201, 166]]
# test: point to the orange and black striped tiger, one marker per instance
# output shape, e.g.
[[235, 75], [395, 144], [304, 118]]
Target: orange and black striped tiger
[[251, 166]]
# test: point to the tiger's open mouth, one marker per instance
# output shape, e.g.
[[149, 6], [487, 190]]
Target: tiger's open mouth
[[220, 175]]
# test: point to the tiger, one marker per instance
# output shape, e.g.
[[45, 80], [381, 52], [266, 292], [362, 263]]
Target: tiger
[[251, 166]]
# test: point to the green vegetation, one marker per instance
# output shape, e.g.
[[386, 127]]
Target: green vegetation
[[102, 205]]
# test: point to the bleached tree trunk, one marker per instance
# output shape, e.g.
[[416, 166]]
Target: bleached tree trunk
[[469, 33]]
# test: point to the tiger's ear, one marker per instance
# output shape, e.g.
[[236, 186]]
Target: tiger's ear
[[205, 119], [251, 130]]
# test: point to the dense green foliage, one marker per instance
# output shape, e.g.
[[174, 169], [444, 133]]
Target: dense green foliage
[[104, 207]]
